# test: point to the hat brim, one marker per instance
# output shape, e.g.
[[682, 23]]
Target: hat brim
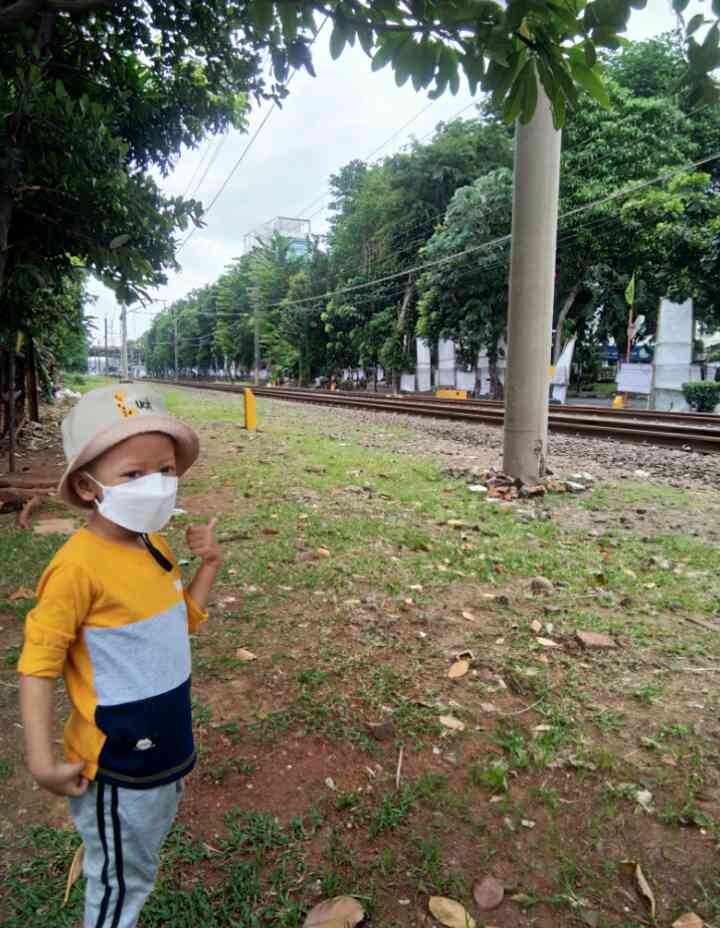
[[187, 448]]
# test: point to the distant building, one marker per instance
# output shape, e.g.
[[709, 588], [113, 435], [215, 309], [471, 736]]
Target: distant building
[[296, 230]]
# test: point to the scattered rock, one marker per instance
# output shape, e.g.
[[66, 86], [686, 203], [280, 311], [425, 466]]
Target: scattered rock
[[381, 731], [340, 912], [541, 586], [573, 487], [451, 723], [595, 640], [488, 893]]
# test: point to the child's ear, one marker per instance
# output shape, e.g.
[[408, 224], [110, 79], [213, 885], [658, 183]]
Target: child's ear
[[84, 487]]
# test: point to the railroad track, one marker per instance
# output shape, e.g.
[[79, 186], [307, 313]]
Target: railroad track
[[672, 430]]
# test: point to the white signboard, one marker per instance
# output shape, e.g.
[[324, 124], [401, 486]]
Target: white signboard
[[446, 363], [564, 365], [465, 380], [407, 383], [424, 371], [635, 378]]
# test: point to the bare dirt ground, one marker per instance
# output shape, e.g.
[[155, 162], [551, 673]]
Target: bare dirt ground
[[344, 758]]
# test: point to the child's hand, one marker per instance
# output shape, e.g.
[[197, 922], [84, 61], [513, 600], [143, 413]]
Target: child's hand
[[202, 544], [63, 779]]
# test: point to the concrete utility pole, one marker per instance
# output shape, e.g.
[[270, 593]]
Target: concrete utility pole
[[532, 292], [123, 345]]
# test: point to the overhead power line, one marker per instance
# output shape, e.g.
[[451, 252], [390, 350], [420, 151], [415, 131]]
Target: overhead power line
[[247, 148]]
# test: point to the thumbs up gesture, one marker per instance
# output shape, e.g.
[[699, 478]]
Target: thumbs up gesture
[[202, 543]]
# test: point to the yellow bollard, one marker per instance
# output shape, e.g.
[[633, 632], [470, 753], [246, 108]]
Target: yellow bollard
[[250, 410], [618, 402]]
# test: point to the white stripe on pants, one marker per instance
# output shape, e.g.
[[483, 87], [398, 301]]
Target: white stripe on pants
[[122, 830]]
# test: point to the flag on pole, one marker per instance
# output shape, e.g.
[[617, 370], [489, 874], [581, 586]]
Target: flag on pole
[[630, 291]]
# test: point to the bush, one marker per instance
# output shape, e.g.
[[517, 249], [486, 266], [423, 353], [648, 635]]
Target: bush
[[702, 395]]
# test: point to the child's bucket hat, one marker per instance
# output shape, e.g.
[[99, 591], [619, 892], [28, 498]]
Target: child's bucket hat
[[108, 415]]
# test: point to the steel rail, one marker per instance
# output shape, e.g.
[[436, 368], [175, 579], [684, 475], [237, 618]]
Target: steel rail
[[692, 437]]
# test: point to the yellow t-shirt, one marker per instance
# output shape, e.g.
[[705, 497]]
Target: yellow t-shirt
[[115, 624]]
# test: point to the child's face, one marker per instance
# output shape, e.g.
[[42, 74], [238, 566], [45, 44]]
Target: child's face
[[135, 457]]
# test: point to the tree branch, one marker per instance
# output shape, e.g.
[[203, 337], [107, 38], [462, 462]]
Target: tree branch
[[23, 10], [17, 13], [82, 6]]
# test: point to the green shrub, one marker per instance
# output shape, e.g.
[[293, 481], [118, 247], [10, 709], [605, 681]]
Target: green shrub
[[702, 395], [74, 379]]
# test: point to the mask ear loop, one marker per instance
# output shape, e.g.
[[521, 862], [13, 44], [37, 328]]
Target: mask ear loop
[[157, 555]]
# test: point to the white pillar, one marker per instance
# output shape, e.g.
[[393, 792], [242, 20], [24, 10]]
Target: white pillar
[[532, 290]]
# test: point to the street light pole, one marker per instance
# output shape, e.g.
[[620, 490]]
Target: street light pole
[[532, 292]]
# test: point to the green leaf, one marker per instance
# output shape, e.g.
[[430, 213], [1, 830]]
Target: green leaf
[[288, 18], [119, 241], [261, 15], [514, 101], [60, 91], [381, 57], [529, 94], [365, 34], [589, 80], [679, 6], [716, 7], [427, 57], [695, 23], [517, 10], [338, 39], [447, 64], [590, 54]]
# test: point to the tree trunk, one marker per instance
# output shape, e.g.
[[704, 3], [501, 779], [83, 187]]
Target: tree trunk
[[32, 383], [11, 410], [566, 307]]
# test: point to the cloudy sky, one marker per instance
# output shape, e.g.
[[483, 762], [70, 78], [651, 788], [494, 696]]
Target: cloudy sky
[[346, 112]]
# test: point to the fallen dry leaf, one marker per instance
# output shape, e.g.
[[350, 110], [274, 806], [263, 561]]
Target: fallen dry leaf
[[469, 616], [22, 592], [55, 527], [242, 654], [547, 642], [459, 669], [488, 893], [449, 721], [450, 913], [268, 530], [73, 873], [643, 885], [536, 626], [688, 920], [323, 552], [340, 912]]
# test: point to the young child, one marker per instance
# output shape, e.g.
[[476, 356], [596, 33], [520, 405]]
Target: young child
[[113, 619]]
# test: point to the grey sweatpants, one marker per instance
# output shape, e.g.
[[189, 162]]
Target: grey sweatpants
[[122, 830]]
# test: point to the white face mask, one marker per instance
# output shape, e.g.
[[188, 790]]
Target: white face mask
[[142, 505]]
